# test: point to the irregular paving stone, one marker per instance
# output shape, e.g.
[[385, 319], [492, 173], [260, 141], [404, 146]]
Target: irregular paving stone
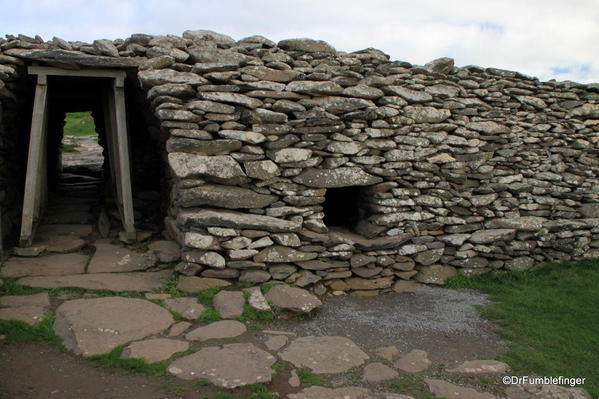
[[257, 299], [154, 350], [535, 391], [30, 314], [60, 243], [338, 177], [480, 367], [389, 353], [414, 361], [229, 367], [292, 298], [41, 299], [96, 326], [450, 391], [378, 372], [179, 328], [77, 230], [294, 381], [276, 342], [110, 258], [189, 308], [31, 251], [216, 330], [117, 282], [324, 355], [50, 265], [193, 285], [166, 250], [229, 304]]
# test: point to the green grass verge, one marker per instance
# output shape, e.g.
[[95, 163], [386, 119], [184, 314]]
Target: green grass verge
[[251, 314], [209, 316], [413, 385], [308, 378], [206, 297], [549, 316], [17, 331], [132, 365], [79, 124]]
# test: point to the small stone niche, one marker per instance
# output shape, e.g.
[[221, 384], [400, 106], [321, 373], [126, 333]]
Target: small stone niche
[[343, 207]]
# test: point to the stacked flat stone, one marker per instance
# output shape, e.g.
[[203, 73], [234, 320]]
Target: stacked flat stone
[[467, 169]]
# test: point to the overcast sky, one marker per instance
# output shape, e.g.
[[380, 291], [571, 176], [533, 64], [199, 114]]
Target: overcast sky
[[550, 39]]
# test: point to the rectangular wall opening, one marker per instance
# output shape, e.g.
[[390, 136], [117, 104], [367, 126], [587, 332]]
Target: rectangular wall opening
[[342, 207]]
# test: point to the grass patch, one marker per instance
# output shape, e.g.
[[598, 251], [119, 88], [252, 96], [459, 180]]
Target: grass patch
[[308, 378], [243, 284], [79, 124], [68, 148], [171, 289], [138, 366], [10, 287], [412, 385], [209, 316], [266, 287], [206, 297], [549, 316], [251, 314], [19, 331], [202, 383]]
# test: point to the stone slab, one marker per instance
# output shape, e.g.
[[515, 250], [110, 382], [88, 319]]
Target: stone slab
[[49, 265], [116, 282], [110, 258], [317, 392], [193, 285], [292, 298], [229, 367], [216, 330], [154, 350], [324, 355], [229, 304], [414, 361], [41, 299], [30, 314], [96, 326], [189, 308], [451, 391]]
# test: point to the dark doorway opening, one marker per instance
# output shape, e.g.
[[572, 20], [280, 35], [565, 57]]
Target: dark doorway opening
[[342, 207]]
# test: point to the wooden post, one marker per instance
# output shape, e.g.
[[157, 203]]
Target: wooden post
[[33, 195], [123, 171]]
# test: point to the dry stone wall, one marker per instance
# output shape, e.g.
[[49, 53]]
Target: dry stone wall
[[445, 169]]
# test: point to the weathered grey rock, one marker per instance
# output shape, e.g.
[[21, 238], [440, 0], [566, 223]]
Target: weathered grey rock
[[356, 283], [202, 146], [193, 285], [106, 47], [481, 367], [306, 45], [60, 243], [520, 264], [338, 177], [317, 392], [324, 355], [229, 367], [389, 353], [155, 77], [231, 98], [321, 264], [445, 389], [589, 210], [200, 241], [281, 254], [254, 276], [429, 257], [363, 91], [154, 350], [525, 223], [110, 258], [275, 342], [271, 75], [257, 299], [214, 218], [40, 299], [492, 235], [116, 282], [76, 58], [426, 114], [224, 196], [50, 265], [220, 168], [314, 87], [202, 35], [411, 96], [189, 308], [261, 169], [166, 251], [435, 274], [179, 328], [30, 314], [290, 155], [375, 373], [414, 361], [216, 330], [96, 326], [229, 304], [292, 298], [489, 128], [442, 65]]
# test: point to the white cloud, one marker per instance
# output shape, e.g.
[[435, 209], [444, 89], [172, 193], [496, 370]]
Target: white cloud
[[535, 37]]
